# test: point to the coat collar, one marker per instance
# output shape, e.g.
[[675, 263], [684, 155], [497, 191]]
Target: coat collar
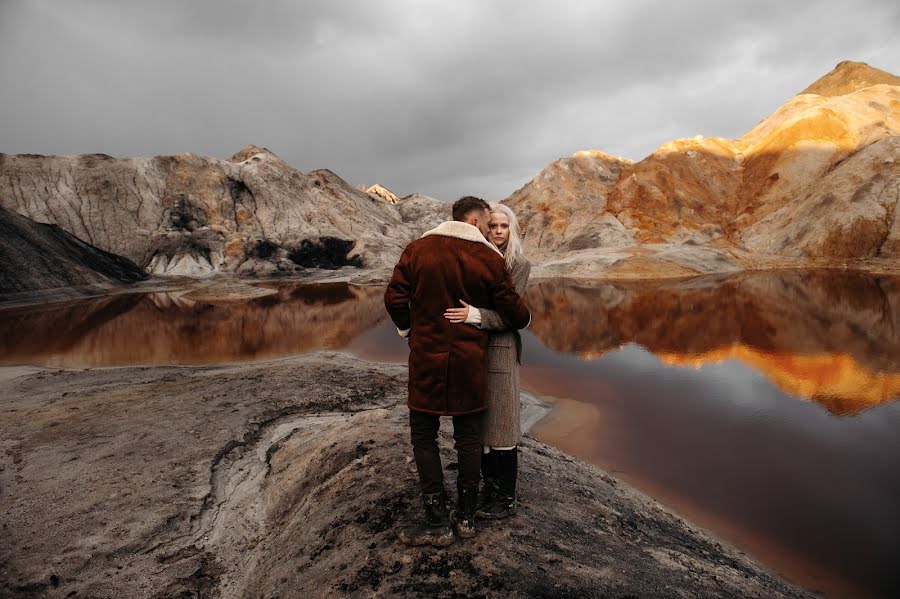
[[460, 230]]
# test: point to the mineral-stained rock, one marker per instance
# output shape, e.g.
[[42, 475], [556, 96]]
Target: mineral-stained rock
[[849, 76], [816, 179], [35, 256], [562, 208], [196, 215], [853, 211], [733, 184]]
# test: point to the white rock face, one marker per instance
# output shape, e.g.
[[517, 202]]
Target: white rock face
[[194, 215], [383, 193], [851, 212]]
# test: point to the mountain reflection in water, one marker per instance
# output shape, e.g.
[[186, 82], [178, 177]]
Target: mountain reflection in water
[[689, 390], [833, 337], [165, 328], [697, 392]]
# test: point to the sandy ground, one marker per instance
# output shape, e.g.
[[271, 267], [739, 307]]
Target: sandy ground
[[291, 478]]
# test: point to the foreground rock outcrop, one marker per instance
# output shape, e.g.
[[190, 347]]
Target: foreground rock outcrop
[[194, 215], [290, 478], [36, 256]]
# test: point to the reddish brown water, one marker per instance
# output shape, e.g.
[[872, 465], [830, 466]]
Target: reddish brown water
[[762, 407]]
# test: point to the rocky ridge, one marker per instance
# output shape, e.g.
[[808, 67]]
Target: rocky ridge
[[194, 215], [849, 76], [816, 181], [814, 184], [38, 256]]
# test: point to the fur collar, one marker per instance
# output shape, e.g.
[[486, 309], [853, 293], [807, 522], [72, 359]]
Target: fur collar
[[460, 230]]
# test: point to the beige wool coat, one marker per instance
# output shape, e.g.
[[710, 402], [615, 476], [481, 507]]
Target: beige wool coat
[[502, 418]]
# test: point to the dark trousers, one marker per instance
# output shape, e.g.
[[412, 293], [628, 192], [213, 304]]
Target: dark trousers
[[467, 436]]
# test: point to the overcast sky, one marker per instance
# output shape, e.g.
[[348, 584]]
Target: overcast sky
[[443, 98]]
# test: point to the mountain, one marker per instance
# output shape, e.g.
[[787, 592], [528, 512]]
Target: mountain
[[423, 211], [196, 215], [36, 256], [563, 207], [849, 76], [813, 184], [731, 184], [816, 180]]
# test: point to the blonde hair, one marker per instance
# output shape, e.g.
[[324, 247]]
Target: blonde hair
[[513, 252]]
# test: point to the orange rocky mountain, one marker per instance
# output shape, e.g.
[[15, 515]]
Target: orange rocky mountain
[[815, 181], [848, 77], [564, 207]]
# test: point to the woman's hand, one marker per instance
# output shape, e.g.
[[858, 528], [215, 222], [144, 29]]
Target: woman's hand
[[457, 314]]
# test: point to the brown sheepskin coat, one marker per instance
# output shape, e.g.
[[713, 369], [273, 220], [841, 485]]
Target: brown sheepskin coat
[[447, 361]]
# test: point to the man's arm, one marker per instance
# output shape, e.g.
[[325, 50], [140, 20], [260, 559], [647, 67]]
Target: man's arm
[[490, 320], [509, 305], [397, 295]]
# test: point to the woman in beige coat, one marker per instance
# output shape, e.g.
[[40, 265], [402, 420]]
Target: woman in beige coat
[[501, 429]]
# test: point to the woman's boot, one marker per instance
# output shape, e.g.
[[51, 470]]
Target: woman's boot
[[505, 504], [490, 482]]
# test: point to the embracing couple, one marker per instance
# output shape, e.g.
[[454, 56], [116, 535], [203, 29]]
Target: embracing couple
[[455, 295]]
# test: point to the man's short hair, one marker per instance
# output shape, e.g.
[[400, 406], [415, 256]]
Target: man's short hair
[[466, 205]]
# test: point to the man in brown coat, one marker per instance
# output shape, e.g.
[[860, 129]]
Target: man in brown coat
[[447, 361]]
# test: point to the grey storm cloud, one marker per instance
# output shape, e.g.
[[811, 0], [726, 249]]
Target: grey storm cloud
[[443, 98]]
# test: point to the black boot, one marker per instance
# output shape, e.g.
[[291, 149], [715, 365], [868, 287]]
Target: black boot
[[436, 509], [505, 503], [463, 517], [435, 530], [490, 484]]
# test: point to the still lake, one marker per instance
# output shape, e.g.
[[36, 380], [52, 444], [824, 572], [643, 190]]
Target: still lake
[[761, 406]]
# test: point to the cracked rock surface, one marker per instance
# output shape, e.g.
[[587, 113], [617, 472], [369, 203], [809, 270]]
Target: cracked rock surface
[[290, 478], [196, 216]]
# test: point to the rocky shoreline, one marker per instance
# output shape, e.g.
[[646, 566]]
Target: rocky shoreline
[[291, 478], [589, 267]]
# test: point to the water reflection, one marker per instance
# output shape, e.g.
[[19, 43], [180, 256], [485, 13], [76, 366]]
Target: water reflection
[[811, 493], [833, 337], [166, 328], [696, 392]]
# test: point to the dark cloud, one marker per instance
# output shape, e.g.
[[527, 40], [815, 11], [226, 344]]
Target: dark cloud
[[437, 97]]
